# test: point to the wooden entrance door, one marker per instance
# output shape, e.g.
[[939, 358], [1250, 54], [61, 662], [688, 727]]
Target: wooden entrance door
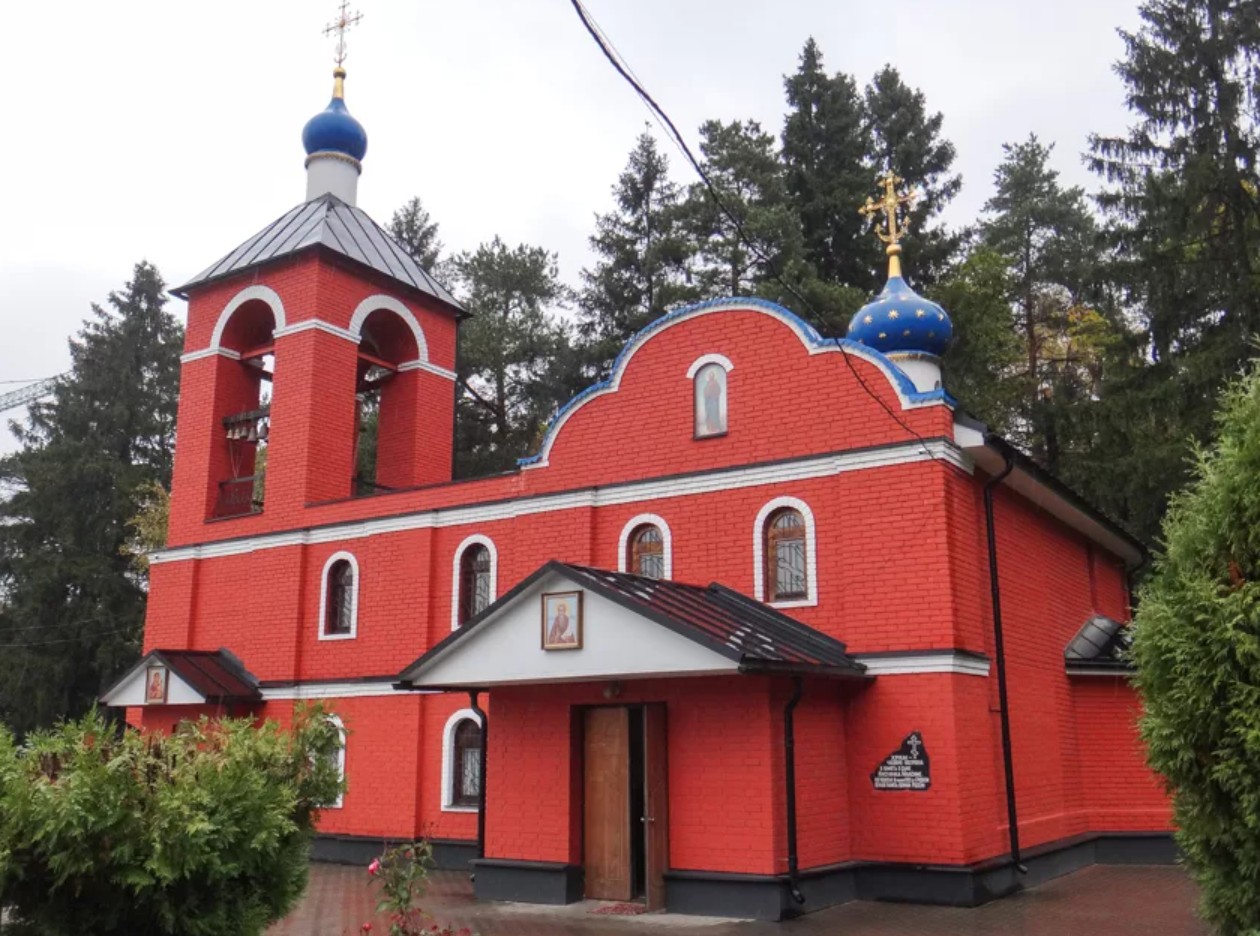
[[606, 804], [656, 805]]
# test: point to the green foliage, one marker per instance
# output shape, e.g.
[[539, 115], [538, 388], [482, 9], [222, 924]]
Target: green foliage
[[417, 232], [642, 256], [73, 602], [148, 526], [1197, 649], [205, 832], [511, 353]]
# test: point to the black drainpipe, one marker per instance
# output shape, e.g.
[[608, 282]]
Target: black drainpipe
[[481, 787], [789, 758], [999, 647]]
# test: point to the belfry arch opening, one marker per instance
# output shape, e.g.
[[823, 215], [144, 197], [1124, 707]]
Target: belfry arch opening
[[243, 409], [385, 406]]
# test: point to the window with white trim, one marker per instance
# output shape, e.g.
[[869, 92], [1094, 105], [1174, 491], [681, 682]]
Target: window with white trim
[[474, 578], [340, 756], [461, 762], [787, 576], [646, 554], [339, 598], [785, 560]]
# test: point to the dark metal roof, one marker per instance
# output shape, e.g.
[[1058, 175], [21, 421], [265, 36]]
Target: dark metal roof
[[215, 674], [328, 222], [756, 636], [1101, 643]]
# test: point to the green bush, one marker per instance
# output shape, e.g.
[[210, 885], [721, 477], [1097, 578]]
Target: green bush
[[1197, 648], [205, 832]]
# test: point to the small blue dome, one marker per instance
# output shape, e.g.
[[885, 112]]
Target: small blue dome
[[900, 320], [334, 130]]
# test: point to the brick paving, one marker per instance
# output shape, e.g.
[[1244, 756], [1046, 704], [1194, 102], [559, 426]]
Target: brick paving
[[1098, 901]]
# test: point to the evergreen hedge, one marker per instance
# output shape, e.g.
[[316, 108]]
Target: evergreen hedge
[[1197, 649], [205, 832]]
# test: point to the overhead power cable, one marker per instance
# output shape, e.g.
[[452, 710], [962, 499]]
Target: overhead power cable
[[623, 69]]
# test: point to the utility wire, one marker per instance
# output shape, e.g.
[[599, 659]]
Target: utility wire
[[623, 69]]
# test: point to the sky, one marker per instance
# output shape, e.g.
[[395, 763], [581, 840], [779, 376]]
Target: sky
[[171, 131]]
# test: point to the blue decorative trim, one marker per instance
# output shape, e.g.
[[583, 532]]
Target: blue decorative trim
[[805, 331]]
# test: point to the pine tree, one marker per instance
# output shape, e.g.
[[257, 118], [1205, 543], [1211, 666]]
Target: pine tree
[[513, 353], [904, 138], [642, 250], [73, 602], [1047, 235], [824, 152], [741, 162], [417, 232]]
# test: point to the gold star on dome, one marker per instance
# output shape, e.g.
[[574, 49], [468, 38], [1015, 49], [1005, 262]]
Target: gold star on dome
[[940, 316], [906, 333], [919, 313], [883, 335], [869, 319], [931, 334], [894, 314]]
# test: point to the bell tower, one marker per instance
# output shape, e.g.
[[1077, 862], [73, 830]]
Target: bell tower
[[319, 359]]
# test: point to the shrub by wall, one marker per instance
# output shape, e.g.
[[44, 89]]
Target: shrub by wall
[[205, 832]]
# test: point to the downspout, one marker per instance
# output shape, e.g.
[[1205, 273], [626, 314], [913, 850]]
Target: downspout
[[789, 765], [481, 787], [999, 648]]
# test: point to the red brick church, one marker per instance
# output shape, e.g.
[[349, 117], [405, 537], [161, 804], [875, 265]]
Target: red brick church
[[765, 624]]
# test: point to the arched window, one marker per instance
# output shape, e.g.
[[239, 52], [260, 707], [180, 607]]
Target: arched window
[[786, 552], [340, 598], [474, 581], [474, 578], [461, 762], [646, 555], [340, 758]]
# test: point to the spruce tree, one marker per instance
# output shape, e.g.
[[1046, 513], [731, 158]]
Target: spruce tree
[[824, 152], [1183, 212], [513, 353], [417, 232], [641, 270], [73, 601], [741, 161], [903, 137]]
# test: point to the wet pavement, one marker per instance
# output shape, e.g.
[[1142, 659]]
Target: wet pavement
[[1097, 901]]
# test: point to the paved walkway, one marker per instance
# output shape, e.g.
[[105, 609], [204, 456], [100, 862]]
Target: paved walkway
[[1098, 901]]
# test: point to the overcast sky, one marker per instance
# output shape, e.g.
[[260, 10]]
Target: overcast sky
[[170, 131]]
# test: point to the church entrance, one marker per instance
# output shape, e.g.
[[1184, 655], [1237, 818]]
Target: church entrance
[[625, 803]]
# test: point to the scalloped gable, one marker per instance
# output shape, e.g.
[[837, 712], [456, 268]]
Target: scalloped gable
[[811, 340]]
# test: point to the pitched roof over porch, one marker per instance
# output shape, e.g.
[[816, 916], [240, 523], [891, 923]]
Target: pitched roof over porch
[[623, 626], [191, 677]]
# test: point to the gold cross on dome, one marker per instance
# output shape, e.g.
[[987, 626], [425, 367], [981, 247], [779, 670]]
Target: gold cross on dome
[[890, 229], [345, 19]]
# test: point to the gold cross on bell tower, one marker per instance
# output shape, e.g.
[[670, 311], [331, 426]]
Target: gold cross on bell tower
[[345, 19], [891, 228]]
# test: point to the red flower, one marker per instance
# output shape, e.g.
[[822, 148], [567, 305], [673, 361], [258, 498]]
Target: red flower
[[365, 928], [375, 867]]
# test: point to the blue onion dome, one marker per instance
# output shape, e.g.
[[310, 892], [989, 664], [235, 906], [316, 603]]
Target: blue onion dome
[[899, 320], [333, 130]]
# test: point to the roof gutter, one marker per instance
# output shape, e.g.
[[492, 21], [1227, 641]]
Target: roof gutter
[[999, 648]]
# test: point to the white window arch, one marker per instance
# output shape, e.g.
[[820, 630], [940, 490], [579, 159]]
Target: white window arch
[[476, 539], [449, 756], [811, 552], [330, 567], [336, 722], [704, 359], [667, 542]]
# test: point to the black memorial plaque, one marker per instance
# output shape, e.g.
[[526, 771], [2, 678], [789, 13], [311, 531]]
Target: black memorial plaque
[[906, 768]]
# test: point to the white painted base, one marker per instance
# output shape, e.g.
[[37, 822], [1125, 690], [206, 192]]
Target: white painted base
[[331, 173], [924, 370]]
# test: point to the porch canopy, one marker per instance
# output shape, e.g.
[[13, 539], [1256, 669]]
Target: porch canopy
[[619, 626], [185, 677]]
